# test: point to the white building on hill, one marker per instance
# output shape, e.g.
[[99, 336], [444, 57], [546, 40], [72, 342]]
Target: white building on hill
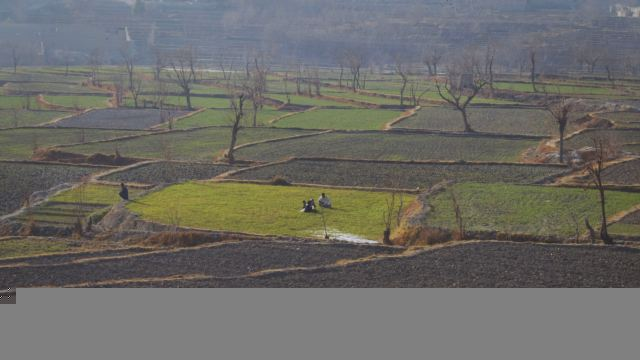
[[625, 11]]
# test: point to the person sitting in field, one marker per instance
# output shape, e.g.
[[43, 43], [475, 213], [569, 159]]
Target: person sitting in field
[[307, 207], [312, 203], [324, 201], [124, 192]]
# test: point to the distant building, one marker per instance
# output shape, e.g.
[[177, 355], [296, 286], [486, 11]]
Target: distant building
[[625, 11]]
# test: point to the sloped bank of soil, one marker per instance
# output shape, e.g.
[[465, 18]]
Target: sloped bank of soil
[[494, 264], [53, 155]]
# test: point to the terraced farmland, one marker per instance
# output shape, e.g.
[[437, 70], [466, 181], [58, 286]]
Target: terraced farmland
[[222, 117], [340, 119], [629, 225], [554, 88], [127, 119], [64, 209], [390, 146], [626, 173], [616, 136], [49, 88], [19, 144], [307, 101], [196, 101], [198, 145], [168, 172], [78, 102], [20, 118], [632, 148], [18, 102], [266, 210], [397, 174], [518, 209], [19, 180], [522, 121], [624, 118]]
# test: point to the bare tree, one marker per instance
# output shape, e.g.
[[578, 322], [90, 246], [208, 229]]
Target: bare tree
[[118, 83], [402, 71], [341, 63], [432, 59], [160, 96], [355, 61], [95, 62], [299, 80], [460, 231], [533, 53], [603, 151], [128, 59], [136, 91], [255, 88], [588, 55], [316, 82], [488, 66], [237, 108], [560, 110], [533, 46], [392, 213], [16, 56], [160, 62], [416, 93], [460, 94], [226, 72], [183, 75]]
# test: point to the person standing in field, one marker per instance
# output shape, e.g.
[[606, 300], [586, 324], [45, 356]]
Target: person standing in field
[[124, 192]]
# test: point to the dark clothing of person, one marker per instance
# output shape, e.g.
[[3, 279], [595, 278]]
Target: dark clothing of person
[[124, 192]]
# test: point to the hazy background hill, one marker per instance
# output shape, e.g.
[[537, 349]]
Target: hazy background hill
[[315, 31]]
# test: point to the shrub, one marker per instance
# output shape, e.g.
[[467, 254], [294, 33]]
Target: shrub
[[280, 181]]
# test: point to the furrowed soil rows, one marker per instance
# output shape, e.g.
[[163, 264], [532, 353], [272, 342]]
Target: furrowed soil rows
[[616, 136], [396, 174], [530, 210], [225, 260], [19, 180], [19, 144], [390, 146], [523, 121], [168, 172], [127, 119], [194, 145]]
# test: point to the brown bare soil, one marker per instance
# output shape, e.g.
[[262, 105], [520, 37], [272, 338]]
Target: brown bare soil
[[53, 155]]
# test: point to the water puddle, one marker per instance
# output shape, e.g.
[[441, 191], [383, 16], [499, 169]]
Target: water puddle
[[342, 236]]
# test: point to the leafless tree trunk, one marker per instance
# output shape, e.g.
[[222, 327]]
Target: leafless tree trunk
[[237, 108], [15, 56], [461, 95], [603, 152], [355, 61], [136, 90], [159, 64], [299, 80], [432, 59], [401, 70], [489, 60], [459, 219], [119, 86], [393, 211], [532, 61], [95, 62], [183, 75], [560, 110], [129, 62]]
